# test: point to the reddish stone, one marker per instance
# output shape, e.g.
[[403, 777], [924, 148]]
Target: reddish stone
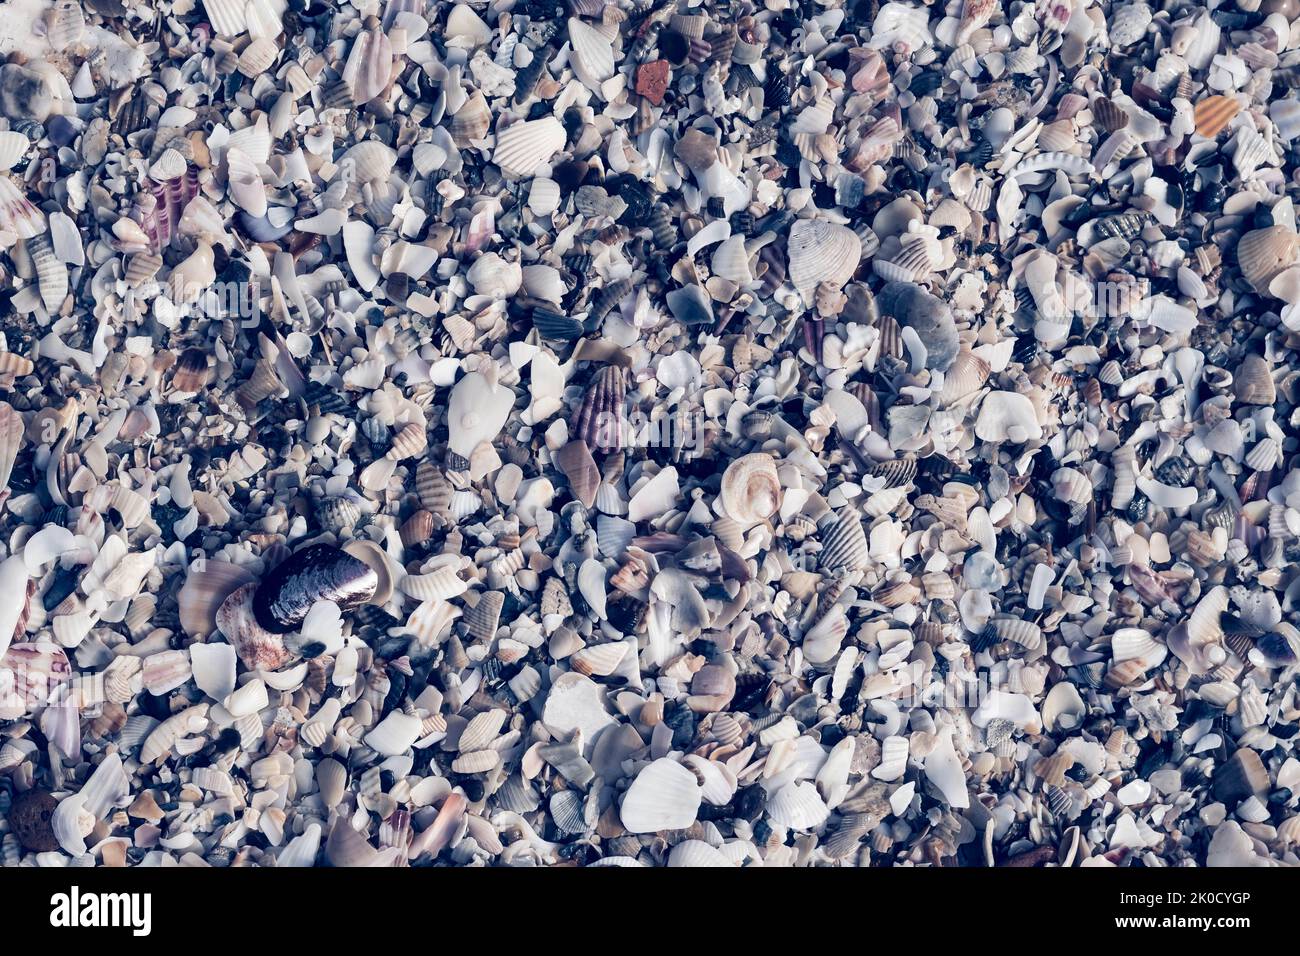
[[652, 80]]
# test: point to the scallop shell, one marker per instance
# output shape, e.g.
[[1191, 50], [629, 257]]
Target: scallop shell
[[258, 57], [368, 161], [844, 545], [599, 420], [13, 147], [821, 252], [17, 214], [522, 147], [1252, 382], [664, 796], [1212, 115], [964, 377], [227, 17], [893, 759], [591, 54], [207, 585], [472, 121], [369, 67], [1109, 114], [751, 489], [442, 584], [481, 620]]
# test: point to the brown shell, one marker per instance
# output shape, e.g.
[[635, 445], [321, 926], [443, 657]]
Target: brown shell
[[481, 620], [433, 489], [418, 528], [1110, 116], [577, 465], [1214, 113]]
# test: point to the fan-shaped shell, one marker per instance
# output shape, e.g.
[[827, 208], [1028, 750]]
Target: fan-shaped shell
[[522, 147], [664, 796], [1263, 254], [844, 545], [820, 252]]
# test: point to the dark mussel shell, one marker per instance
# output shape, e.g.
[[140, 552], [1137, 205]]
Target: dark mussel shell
[[320, 572]]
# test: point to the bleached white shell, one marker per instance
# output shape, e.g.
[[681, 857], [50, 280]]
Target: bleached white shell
[[591, 54], [522, 147], [664, 796], [1007, 416], [476, 413], [247, 190], [822, 252], [694, 853], [797, 806]]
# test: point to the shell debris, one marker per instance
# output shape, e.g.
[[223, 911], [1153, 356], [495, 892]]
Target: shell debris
[[617, 433]]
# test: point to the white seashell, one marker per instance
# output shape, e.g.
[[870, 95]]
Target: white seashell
[[696, 853], [1008, 416], [590, 53], [893, 759], [797, 806], [822, 252], [394, 734], [751, 489], [655, 496], [13, 147], [664, 796], [476, 412], [522, 147], [944, 771], [247, 190], [543, 195], [213, 667]]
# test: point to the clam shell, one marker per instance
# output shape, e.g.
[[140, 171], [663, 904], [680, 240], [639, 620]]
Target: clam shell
[[523, 147], [1252, 382], [258, 57], [206, 587], [472, 121], [664, 796], [481, 620], [1263, 254], [751, 489], [320, 572], [964, 377], [821, 252]]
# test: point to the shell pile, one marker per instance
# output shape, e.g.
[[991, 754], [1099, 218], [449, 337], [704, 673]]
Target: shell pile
[[623, 432]]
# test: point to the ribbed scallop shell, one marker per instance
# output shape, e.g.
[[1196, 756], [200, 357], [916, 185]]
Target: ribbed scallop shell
[[820, 252], [600, 419], [472, 120], [227, 17], [844, 545], [591, 53], [664, 796], [1252, 382], [1212, 114], [442, 584], [13, 147], [522, 147], [482, 619], [258, 57], [965, 376]]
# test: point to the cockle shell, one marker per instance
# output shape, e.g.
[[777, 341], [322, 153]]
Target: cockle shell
[[1214, 113], [1252, 382], [821, 252], [751, 489], [1263, 254], [844, 544], [524, 146], [964, 377]]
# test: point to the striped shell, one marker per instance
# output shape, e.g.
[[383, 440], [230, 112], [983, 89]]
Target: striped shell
[[522, 147]]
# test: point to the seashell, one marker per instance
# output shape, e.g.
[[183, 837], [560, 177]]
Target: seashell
[[472, 121], [821, 252], [17, 214], [244, 183], [893, 759], [476, 412], [797, 806], [319, 572], [964, 377], [51, 274], [417, 529], [13, 147], [663, 796], [575, 461], [600, 660], [925, 314], [600, 420], [481, 620], [751, 489], [481, 761], [524, 146], [1128, 23], [1263, 254], [1109, 114], [433, 489], [1007, 416], [591, 54], [367, 161], [844, 543], [258, 57], [11, 440], [1212, 115], [442, 584], [207, 585], [369, 65], [1252, 382]]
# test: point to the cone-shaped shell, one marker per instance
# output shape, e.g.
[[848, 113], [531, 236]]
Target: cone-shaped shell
[[575, 461], [522, 147], [821, 251], [751, 489]]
